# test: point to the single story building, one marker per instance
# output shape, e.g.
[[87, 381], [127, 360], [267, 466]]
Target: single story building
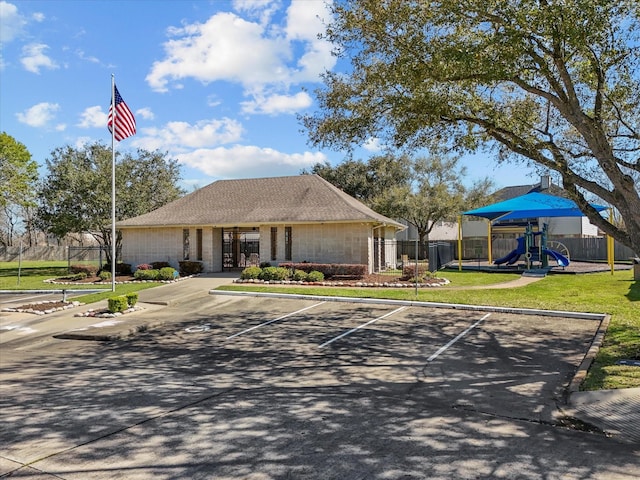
[[232, 224]]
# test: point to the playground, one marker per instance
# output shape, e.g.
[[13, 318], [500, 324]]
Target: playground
[[536, 252]]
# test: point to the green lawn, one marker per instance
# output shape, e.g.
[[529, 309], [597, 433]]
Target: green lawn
[[615, 294], [33, 275]]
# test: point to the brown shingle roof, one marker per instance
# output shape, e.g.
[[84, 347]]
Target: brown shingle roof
[[300, 199]]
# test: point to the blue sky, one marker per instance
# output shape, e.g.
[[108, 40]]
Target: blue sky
[[216, 84]]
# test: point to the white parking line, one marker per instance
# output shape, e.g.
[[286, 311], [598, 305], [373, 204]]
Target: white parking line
[[274, 320], [451, 342], [349, 332]]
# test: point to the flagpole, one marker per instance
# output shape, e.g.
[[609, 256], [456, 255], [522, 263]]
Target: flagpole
[[113, 183]]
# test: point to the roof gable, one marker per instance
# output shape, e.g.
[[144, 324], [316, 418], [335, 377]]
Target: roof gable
[[299, 199]]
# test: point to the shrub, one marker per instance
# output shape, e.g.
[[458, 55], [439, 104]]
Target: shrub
[[250, 273], [145, 266], [104, 275], [315, 276], [88, 270], [274, 273], [265, 264], [159, 265], [118, 304], [409, 270], [132, 298], [188, 267], [299, 275], [76, 277], [121, 268], [146, 274], [329, 270], [167, 273]]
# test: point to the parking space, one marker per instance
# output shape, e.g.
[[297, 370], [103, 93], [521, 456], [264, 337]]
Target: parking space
[[473, 358], [256, 388]]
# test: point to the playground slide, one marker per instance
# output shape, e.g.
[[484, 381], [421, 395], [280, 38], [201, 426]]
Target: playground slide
[[557, 256], [511, 258]]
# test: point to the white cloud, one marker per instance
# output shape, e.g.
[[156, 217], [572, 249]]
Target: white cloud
[[372, 144], [38, 17], [261, 9], [246, 161], [213, 100], [226, 47], [275, 104], [39, 115], [145, 113], [200, 146], [11, 22], [88, 58], [230, 48], [181, 136], [304, 21], [93, 117], [82, 142], [34, 58]]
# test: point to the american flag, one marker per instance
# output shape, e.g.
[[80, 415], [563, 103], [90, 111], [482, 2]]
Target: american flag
[[125, 122]]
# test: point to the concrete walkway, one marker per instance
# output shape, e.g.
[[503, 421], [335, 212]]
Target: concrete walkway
[[616, 412]]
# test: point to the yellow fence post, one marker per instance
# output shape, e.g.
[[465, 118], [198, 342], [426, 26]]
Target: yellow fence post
[[489, 244], [459, 243]]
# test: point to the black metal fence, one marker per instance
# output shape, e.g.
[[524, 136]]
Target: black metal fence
[[440, 254]]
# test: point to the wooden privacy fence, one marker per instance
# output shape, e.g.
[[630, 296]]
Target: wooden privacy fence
[[580, 249], [68, 254], [43, 253]]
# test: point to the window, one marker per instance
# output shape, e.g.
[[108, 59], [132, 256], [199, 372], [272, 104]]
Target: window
[[185, 244], [287, 243], [199, 244], [274, 243]]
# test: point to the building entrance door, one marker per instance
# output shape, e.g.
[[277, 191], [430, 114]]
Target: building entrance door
[[241, 248]]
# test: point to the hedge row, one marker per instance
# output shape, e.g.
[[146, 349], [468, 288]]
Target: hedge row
[[165, 273], [87, 270], [330, 270], [269, 274], [121, 268]]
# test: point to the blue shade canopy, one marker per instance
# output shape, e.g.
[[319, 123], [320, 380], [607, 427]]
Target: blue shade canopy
[[531, 205]]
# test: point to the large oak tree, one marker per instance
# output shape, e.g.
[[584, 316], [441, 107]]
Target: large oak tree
[[75, 196], [552, 83], [422, 191]]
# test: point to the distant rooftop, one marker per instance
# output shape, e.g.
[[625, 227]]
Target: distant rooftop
[[544, 186]]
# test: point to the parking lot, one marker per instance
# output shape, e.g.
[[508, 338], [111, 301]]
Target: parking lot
[[259, 388]]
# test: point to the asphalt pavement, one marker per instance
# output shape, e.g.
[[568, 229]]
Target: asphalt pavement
[[614, 412]]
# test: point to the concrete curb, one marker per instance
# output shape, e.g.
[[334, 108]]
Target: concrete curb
[[583, 369], [415, 303]]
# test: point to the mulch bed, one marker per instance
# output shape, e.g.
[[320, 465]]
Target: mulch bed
[[44, 307], [371, 280], [93, 280]]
